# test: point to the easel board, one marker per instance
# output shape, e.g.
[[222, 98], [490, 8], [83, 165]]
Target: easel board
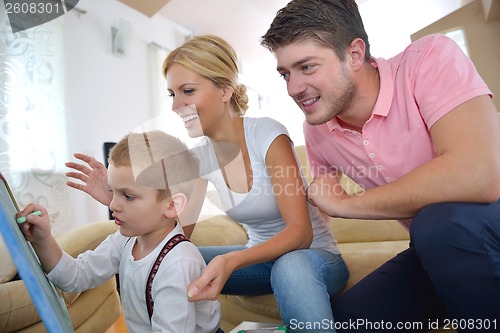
[[48, 302]]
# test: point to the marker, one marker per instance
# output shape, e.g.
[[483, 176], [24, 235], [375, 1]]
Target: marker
[[22, 219]]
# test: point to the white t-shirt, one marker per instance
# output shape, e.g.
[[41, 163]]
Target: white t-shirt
[[258, 208], [172, 311]]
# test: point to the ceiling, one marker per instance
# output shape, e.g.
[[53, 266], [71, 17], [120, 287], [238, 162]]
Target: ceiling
[[243, 22], [240, 22]]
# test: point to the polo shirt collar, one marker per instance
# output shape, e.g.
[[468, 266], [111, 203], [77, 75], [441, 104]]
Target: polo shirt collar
[[385, 95], [386, 92]]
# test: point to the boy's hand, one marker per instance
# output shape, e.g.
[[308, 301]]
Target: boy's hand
[[36, 229], [94, 178]]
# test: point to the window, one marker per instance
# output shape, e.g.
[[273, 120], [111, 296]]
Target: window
[[33, 145], [458, 35]]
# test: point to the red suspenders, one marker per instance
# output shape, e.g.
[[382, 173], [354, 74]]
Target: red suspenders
[[168, 246]]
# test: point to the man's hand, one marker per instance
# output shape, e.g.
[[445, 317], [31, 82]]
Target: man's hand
[[326, 193], [94, 178]]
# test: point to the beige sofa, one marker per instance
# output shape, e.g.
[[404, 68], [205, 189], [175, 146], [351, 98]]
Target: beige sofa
[[94, 310], [364, 244]]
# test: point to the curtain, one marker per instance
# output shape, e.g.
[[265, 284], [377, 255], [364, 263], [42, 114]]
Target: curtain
[[33, 145]]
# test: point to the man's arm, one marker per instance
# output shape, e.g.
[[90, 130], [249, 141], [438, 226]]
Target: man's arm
[[466, 169]]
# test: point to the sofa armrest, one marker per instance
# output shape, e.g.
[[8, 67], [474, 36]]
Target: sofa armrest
[[85, 237], [17, 310], [219, 230]]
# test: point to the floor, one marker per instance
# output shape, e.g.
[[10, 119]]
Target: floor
[[118, 327]]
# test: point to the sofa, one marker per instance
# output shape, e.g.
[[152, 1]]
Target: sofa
[[91, 311], [365, 245]]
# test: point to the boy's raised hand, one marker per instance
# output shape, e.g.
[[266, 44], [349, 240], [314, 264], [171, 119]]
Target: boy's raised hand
[[94, 176]]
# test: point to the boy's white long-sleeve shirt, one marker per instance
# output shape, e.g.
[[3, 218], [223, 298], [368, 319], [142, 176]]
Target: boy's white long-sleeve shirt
[[172, 311]]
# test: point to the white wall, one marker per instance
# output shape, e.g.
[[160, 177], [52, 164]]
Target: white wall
[[108, 96]]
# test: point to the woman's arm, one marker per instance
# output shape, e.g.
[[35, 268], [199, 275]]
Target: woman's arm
[[289, 192], [290, 195]]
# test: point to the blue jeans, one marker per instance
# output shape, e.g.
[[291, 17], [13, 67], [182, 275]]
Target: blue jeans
[[303, 281], [450, 272]]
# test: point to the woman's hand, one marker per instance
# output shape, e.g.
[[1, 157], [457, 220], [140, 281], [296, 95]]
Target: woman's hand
[[209, 285], [94, 178]]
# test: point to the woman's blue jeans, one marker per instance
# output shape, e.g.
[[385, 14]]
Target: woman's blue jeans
[[303, 281]]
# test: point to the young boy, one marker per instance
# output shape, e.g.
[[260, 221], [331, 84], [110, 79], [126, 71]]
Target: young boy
[[150, 175]]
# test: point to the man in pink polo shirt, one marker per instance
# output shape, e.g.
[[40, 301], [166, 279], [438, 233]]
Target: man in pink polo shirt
[[420, 133]]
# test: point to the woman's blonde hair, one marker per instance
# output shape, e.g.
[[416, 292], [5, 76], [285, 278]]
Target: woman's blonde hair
[[213, 58]]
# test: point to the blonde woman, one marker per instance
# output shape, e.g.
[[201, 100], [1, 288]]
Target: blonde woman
[[291, 251]]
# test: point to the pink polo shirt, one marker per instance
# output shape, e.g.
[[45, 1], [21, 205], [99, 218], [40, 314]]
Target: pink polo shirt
[[417, 87]]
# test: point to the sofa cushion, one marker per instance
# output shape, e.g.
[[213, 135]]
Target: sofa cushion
[[264, 304], [352, 230], [85, 237], [7, 268], [364, 257], [96, 310], [16, 308], [235, 309], [218, 230]]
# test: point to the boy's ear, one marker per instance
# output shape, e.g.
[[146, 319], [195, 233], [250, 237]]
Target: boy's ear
[[177, 204]]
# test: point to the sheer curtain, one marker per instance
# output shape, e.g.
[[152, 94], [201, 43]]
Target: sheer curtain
[[33, 140]]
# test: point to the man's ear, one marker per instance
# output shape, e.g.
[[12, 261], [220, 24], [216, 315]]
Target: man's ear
[[356, 53], [177, 204]]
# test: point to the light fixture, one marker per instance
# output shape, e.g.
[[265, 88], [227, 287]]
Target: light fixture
[[121, 34]]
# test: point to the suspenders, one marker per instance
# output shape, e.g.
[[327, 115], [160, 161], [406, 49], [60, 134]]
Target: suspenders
[[179, 238]]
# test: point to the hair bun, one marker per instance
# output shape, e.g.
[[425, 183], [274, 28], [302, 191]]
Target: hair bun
[[240, 98]]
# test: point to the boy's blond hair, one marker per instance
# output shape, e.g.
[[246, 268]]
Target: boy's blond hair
[[159, 161]]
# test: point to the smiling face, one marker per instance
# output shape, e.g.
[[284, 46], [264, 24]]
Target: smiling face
[[191, 119], [317, 80], [137, 210], [196, 99]]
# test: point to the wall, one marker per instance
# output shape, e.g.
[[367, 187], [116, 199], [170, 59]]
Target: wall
[[482, 39], [108, 96]]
